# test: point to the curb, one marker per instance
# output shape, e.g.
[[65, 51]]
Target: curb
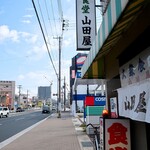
[[84, 140]]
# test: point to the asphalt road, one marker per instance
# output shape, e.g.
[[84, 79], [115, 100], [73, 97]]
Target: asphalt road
[[18, 122]]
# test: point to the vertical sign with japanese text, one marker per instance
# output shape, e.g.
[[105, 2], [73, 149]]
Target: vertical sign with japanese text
[[113, 107], [86, 24], [117, 134], [101, 134]]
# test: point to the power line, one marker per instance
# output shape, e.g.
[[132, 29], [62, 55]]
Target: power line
[[44, 38], [60, 10], [61, 15], [54, 17], [45, 25], [48, 17]]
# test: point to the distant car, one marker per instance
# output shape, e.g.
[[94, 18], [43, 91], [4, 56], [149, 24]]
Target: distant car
[[4, 111], [19, 109], [54, 108], [46, 109]]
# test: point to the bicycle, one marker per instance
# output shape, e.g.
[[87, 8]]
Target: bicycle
[[96, 136]]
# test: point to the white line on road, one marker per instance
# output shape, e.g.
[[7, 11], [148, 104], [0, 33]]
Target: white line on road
[[11, 139]]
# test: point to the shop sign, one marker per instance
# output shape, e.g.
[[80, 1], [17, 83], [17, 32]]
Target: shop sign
[[134, 101], [136, 70], [86, 24], [117, 134], [99, 100], [89, 101], [101, 134], [95, 101], [80, 60], [73, 74], [78, 74], [113, 107]]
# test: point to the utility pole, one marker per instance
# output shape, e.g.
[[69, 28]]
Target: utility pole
[[59, 100], [57, 93], [19, 86], [64, 94], [59, 79], [27, 97]]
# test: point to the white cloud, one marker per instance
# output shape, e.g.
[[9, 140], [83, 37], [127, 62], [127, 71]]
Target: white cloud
[[30, 38], [30, 9], [37, 52], [33, 46], [28, 16], [21, 77], [6, 33], [26, 21], [16, 36], [68, 42], [33, 75]]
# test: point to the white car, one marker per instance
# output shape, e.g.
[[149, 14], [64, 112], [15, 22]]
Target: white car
[[4, 111]]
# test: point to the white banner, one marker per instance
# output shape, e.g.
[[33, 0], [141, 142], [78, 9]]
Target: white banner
[[86, 24], [134, 101], [136, 70]]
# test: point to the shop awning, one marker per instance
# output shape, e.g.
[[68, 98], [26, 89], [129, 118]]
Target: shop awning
[[119, 16], [87, 82]]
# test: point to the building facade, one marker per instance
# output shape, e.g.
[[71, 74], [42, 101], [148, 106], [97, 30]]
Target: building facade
[[75, 70], [121, 55], [7, 93]]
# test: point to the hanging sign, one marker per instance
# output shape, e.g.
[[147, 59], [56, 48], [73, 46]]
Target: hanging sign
[[136, 70], [134, 101], [86, 24], [113, 107]]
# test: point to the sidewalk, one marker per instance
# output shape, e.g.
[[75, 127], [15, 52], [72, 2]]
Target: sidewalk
[[54, 133]]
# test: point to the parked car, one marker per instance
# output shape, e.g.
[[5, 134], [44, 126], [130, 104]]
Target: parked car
[[46, 109], [19, 109], [4, 111]]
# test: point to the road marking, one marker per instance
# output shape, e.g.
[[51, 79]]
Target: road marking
[[11, 139]]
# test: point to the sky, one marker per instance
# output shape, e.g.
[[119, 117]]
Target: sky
[[24, 57]]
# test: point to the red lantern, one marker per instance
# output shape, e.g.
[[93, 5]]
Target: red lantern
[[105, 113]]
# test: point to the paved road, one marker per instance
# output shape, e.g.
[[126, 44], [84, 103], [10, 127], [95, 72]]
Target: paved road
[[16, 123]]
